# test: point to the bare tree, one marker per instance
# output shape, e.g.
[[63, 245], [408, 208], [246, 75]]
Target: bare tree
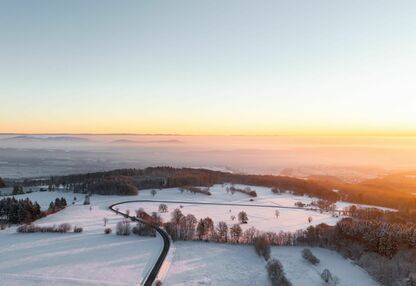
[[242, 217], [235, 233], [163, 208], [222, 231], [277, 214], [326, 276]]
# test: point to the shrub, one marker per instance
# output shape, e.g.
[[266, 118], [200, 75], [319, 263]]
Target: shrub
[[299, 204], [276, 273], [262, 246], [163, 208], [194, 190], [64, 227], [308, 255], [143, 229], [242, 217], [31, 228], [87, 200], [123, 228], [17, 190], [326, 276], [77, 229], [107, 230]]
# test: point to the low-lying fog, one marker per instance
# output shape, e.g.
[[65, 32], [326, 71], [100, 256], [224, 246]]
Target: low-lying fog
[[348, 157]]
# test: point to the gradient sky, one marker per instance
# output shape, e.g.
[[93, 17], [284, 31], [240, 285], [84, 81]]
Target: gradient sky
[[208, 67]]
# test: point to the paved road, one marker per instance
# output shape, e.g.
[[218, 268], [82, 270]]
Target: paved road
[[150, 279], [219, 204]]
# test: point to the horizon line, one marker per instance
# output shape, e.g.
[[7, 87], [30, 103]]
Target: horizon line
[[213, 135]]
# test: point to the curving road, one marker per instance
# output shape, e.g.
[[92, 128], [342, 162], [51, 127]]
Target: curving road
[[150, 279], [218, 204], [166, 240]]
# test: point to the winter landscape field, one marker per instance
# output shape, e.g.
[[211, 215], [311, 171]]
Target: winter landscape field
[[207, 143], [93, 258]]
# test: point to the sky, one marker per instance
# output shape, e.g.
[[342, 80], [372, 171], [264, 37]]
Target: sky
[[218, 67]]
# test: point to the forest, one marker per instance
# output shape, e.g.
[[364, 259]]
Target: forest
[[14, 211], [385, 192]]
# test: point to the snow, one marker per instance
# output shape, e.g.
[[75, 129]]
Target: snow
[[262, 218], [92, 258], [87, 258], [302, 273], [201, 263]]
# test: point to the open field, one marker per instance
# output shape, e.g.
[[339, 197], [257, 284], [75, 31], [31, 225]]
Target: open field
[[87, 258], [92, 258], [200, 263]]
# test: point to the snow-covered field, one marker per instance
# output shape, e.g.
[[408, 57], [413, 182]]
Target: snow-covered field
[[261, 218], [87, 258], [201, 263], [92, 258], [302, 273]]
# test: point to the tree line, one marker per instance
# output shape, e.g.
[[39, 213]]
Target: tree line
[[14, 211], [371, 192], [2, 183]]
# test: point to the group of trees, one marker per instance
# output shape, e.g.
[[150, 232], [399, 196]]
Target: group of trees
[[276, 273], [379, 237], [407, 216], [114, 185], [17, 190], [181, 227], [324, 205], [262, 246], [62, 228], [196, 190], [123, 227], [383, 192], [13, 211], [247, 191], [144, 229], [386, 250], [2, 183], [59, 204], [382, 238], [308, 256]]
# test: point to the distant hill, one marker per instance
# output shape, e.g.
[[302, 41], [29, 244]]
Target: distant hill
[[28, 138], [126, 141]]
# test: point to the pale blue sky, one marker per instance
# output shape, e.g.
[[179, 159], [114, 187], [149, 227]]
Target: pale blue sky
[[226, 67]]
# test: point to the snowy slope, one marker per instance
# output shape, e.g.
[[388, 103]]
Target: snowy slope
[[302, 273], [88, 258], [92, 258], [201, 263]]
